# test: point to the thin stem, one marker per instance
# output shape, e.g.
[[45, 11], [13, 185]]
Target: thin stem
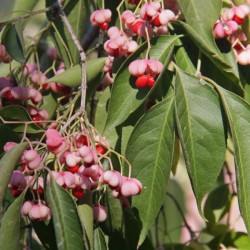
[[71, 119], [20, 18], [191, 232], [64, 45], [119, 13], [83, 61], [148, 41], [138, 6], [198, 68]]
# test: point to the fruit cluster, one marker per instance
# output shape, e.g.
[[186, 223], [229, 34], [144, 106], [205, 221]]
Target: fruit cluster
[[230, 26], [31, 96], [77, 168], [152, 19]]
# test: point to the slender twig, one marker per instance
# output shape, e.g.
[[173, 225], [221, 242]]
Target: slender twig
[[83, 62], [191, 232], [71, 119], [20, 18]]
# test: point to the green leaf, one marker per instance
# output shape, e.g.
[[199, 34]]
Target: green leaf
[[64, 214], [12, 39], [7, 165], [77, 12], [193, 11], [49, 104], [99, 243], [46, 233], [115, 216], [238, 115], [22, 6], [85, 213], [150, 151], [72, 77], [10, 226], [216, 202], [169, 216], [231, 240], [199, 27], [213, 72], [125, 98], [19, 113], [101, 109], [201, 132], [182, 57]]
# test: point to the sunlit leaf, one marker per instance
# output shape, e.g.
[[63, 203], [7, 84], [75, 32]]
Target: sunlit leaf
[[10, 225], [21, 7], [216, 202], [199, 27], [72, 77], [77, 12], [19, 113], [201, 132], [85, 213], [12, 39], [150, 151], [238, 115], [64, 214], [99, 243], [7, 164]]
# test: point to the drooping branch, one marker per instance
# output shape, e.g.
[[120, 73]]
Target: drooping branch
[[82, 58]]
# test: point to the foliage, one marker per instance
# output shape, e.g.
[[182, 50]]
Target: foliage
[[98, 126]]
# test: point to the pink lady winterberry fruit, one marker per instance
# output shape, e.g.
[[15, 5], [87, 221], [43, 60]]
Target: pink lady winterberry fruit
[[100, 213], [145, 70], [101, 18]]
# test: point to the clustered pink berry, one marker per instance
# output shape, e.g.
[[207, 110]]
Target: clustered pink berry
[[119, 43], [228, 26], [36, 211], [32, 159], [80, 160], [17, 95], [37, 115], [145, 71], [21, 94], [55, 142], [100, 213], [101, 18], [4, 56], [121, 186], [152, 19], [17, 183], [81, 169]]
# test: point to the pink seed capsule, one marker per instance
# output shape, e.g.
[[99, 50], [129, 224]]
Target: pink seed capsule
[[17, 180], [82, 181], [112, 178], [100, 213], [130, 187], [26, 207], [9, 145], [39, 212]]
